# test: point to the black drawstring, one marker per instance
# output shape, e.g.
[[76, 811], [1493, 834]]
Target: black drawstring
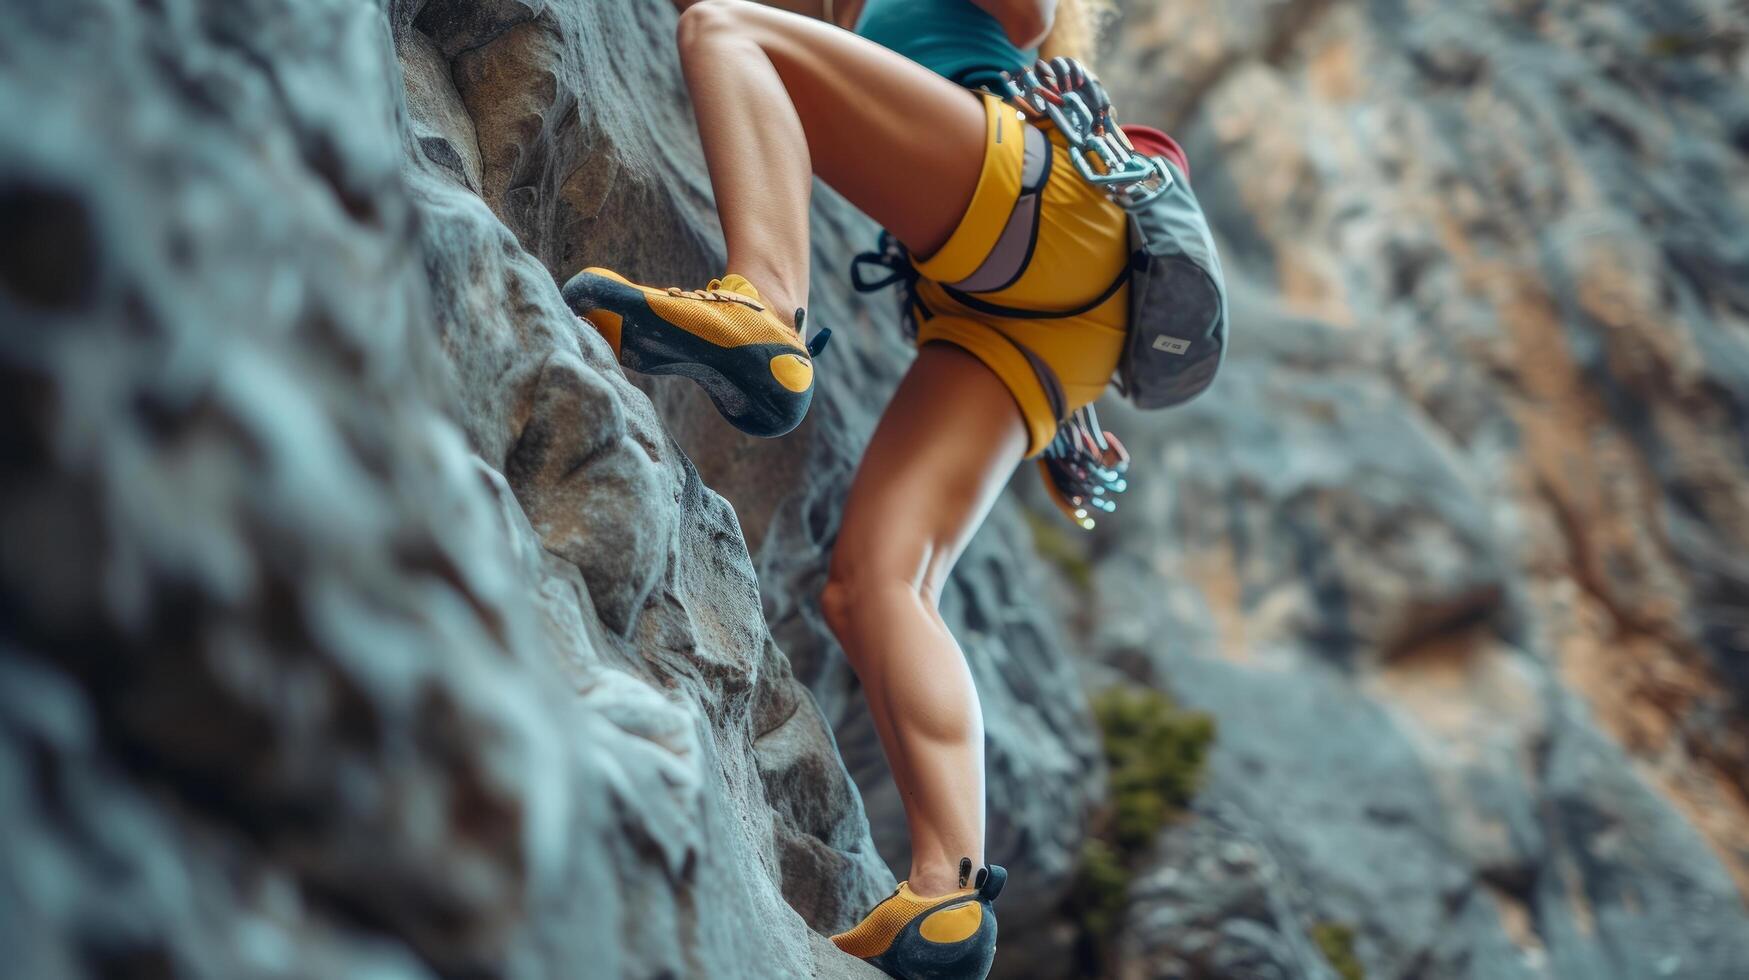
[[890, 256]]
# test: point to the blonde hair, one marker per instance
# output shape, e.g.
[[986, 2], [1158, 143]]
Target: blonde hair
[[1075, 30]]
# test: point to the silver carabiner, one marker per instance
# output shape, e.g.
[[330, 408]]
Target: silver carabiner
[[1129, 178]]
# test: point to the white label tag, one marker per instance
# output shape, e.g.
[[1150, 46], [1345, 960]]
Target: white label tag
[[1171, 345]]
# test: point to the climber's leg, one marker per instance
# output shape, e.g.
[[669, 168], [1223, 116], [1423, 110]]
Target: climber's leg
[[843, 13], [781, 97], [945, 447]]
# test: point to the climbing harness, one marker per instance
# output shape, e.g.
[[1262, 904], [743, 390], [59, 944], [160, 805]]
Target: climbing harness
[[1177, 307]]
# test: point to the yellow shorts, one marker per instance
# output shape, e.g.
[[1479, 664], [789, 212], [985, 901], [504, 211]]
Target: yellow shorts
[[1037, 236]]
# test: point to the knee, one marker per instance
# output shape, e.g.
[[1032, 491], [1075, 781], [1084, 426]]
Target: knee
[[836, 602], [852, 591], [709, 20], [843, 602]]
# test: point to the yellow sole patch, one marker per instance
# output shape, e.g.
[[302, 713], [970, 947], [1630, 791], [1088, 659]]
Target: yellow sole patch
[[792, 371], [952, 925]]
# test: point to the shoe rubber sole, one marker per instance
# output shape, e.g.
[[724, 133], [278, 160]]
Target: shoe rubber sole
[[738, 380], [912, 957], [920, 953]]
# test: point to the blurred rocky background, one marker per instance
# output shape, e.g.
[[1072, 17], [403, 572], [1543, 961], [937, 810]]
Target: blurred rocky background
[[1457, 552], [360, 619]]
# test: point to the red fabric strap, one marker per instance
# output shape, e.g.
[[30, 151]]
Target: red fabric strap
[[1153, 142]]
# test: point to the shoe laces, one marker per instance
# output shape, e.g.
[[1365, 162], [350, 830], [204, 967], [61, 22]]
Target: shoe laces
[[714, 293]]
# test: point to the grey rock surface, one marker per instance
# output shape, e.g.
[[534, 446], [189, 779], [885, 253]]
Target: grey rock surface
[[360, 618], [1217, 903], [1452, 549]]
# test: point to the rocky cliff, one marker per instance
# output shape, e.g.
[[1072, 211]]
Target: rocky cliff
[[1455, 549], [362, 618]]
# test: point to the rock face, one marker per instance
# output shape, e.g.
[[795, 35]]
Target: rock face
[[360, 618], [1454, 551]]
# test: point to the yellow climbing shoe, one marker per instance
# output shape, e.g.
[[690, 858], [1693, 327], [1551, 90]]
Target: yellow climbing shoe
[[755, 368], [951, 937]]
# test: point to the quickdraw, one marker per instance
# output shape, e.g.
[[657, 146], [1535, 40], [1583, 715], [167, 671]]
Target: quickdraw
[[1084, 467], [1064, 92]]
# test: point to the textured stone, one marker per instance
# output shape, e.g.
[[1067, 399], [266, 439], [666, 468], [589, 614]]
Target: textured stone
[[1451, 550], [360, 618], [1217, 904]]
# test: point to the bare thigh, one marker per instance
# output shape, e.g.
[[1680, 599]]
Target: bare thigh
[[940, 456], [900, 142]]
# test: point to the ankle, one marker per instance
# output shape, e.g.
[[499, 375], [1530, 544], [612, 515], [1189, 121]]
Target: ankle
[[934, 882], [782, 307], [777, 295]]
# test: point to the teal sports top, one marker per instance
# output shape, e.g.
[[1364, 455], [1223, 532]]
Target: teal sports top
[[953, 38]]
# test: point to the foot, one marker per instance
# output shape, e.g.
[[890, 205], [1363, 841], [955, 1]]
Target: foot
[[752, 364], [948, 937]]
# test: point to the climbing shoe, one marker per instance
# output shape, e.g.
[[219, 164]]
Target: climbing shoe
[[952, 937], [754, 367]]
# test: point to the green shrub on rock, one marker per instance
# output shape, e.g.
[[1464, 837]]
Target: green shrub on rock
[[1099, 894], [1336, 941], [1155, 752]]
